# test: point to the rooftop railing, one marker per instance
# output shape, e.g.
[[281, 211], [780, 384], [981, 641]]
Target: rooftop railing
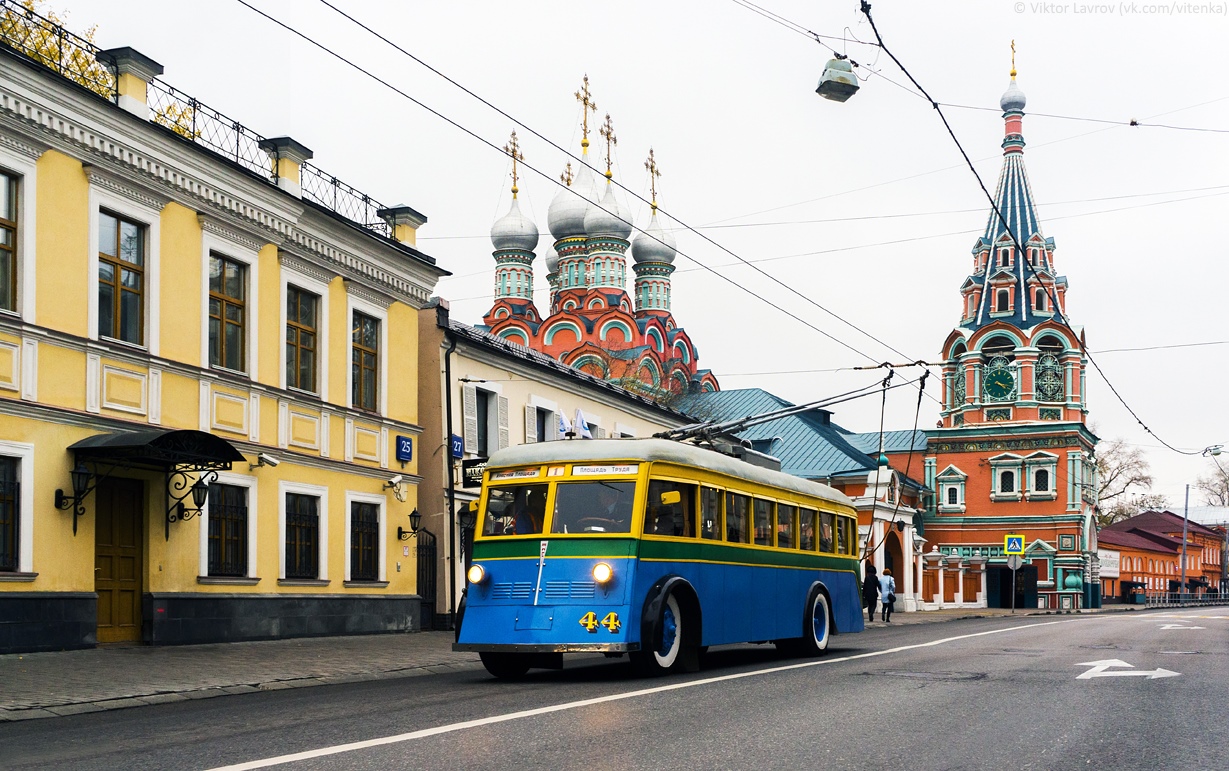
[[44, 40]]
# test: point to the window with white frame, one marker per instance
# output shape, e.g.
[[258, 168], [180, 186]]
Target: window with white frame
[[228, 313], [365, 544], [485, 418], [1040, 471], [16, 507], [305, 321], [541, 420], [8, 241], [303, 525], [1006, 473], [951, 486], [228, 528], [18, 177], [123, 302], [367, 376]]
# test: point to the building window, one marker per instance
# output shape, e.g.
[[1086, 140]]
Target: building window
[[1041, 481], [953, 496], [1007, 481], [541, 421], [1039, 300], [301, 339], [8, 242], [484, 424], [302, 536], [364, 541], [121, 279], [10, 497], [1001, 301], [227, 313], [365, 362], [228, 530]]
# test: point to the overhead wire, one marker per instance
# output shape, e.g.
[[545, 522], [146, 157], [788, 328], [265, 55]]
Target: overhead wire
[[1020, 250], [629, 191], [1132, 122]]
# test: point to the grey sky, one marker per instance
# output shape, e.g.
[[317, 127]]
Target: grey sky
[[726, 99]]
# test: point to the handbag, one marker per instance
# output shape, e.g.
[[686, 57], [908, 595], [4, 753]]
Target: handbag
[[891, 597]]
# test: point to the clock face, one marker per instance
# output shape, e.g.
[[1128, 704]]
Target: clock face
[[999, 384]]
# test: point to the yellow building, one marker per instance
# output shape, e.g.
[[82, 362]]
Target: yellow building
[[208, 370]]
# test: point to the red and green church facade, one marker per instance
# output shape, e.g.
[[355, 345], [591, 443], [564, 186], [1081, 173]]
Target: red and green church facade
[[1012, 453], [591, 323]]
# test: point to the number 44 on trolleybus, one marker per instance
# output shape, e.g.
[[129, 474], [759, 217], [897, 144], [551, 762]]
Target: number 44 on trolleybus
[[654, 548]]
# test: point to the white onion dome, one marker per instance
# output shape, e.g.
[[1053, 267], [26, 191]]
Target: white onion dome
[[552, 260], [514, 231], [1013, 98], [566, 215], [608, 218], [654, 244]]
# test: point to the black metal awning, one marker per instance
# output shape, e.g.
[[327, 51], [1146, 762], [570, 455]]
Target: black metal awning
[[158, 450]]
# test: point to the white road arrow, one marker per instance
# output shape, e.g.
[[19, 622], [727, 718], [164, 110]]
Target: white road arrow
[[1179, 626], [1099, 670]]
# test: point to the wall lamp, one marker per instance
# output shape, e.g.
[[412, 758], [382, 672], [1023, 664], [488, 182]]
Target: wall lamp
[[178, 489], [82, 478], [415, 526], [467, 515]]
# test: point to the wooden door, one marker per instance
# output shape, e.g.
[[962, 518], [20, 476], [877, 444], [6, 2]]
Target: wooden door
[[118, 564]]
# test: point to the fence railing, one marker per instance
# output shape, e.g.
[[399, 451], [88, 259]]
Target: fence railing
[[47, 42], [1183, 600]]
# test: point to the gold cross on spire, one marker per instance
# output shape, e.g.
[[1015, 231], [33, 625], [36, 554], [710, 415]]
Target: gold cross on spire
[[1013, 58], [587, 106], [513, 149], [607, 132], [566, 176], [654, 173]]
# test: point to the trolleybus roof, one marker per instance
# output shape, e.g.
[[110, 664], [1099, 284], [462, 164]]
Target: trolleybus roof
[[649, 450]]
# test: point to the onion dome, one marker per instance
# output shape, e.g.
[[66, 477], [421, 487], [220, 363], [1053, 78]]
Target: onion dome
[[514, 231], [552, 260], [608, 218], [654, 244], [1013, 98], [566, 215]]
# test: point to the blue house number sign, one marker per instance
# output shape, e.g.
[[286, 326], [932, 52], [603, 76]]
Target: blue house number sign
[[458, 446], [405, 449]]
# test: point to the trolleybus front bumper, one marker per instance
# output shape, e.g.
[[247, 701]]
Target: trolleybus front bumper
[[621, 647]]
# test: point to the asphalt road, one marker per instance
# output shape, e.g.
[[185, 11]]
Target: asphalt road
[[975, 694]]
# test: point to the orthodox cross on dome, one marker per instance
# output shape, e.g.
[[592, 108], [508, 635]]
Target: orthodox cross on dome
[[587, 106], [513, 149], [607, 132], [654, 173], [566, 176], [1013, 58]]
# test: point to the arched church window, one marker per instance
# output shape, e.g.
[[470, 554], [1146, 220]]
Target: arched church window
[[1039, 300], [1007, 482], [1041, 481], [1002, 301], [953, 496]]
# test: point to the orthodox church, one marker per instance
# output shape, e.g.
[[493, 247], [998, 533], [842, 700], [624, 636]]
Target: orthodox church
[[591, 322], [1012, 454]]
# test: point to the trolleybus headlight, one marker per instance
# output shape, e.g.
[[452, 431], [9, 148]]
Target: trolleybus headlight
[[602, 572], [475, 574]]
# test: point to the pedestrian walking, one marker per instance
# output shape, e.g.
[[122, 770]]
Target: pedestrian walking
[[887, 593], [870, 590]]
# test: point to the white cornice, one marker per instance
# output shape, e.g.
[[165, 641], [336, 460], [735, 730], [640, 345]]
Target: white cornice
[[367, 294], [31, 151], [127, 187], [304, 267], [224, 230]]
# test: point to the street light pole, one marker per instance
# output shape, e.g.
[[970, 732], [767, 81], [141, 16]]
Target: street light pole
[[1185, 509]]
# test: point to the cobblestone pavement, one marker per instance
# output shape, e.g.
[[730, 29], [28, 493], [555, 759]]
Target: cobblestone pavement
[[38, 685]]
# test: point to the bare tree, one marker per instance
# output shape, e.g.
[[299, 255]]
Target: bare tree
[[1215, 486], [1123, 481]]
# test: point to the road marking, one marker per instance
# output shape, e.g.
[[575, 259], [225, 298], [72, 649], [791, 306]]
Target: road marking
[[467, 724], [1099, 669], [1179, 626]]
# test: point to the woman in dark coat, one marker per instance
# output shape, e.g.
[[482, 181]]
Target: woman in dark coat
[[870, 589]]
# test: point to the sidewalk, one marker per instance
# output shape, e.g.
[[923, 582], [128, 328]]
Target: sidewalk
[[38, 685]]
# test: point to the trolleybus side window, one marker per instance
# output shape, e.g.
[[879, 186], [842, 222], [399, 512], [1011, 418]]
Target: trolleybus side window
[[710, 513], [736, 511], [593, 507], [515, 510], [842, 535], [763, 522], [806, 529], [785, 526], [825, 532], [670, 509]]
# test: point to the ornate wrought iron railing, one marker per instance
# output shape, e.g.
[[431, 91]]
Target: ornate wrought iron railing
[[44, 40]]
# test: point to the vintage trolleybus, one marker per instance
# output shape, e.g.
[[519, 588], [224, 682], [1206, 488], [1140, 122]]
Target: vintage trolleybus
[[654, 548]]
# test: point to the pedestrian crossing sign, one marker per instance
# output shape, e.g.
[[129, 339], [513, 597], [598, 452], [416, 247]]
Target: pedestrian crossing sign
[[1013, 543]]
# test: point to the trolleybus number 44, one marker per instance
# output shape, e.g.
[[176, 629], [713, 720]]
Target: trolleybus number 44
[[611, 622]]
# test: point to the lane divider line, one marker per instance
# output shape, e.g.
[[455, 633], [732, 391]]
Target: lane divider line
[[467, 724]]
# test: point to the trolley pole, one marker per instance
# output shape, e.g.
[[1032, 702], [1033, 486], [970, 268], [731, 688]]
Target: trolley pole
[[1185, 509]]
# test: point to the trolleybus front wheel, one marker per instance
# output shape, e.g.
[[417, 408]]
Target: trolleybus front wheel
[[666, 655], [505, 666]]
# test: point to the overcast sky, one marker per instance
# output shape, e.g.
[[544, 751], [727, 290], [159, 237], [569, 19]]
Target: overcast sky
[[864, 207]]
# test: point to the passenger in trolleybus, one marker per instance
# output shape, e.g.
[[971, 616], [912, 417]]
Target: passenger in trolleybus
[[593, 507]]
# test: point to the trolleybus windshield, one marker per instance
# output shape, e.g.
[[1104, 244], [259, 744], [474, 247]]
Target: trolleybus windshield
[[593, 507]]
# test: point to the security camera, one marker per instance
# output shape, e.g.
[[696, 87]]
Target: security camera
[[393, 481], [263, 459]]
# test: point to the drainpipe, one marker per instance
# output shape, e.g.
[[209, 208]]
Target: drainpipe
[[442, 319]]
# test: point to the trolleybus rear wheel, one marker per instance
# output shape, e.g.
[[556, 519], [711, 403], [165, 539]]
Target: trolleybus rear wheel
[[666, 656], [818, 628], [506, 666]]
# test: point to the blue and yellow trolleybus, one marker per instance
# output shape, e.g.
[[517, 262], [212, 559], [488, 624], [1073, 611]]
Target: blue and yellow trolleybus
[[653, 548]]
